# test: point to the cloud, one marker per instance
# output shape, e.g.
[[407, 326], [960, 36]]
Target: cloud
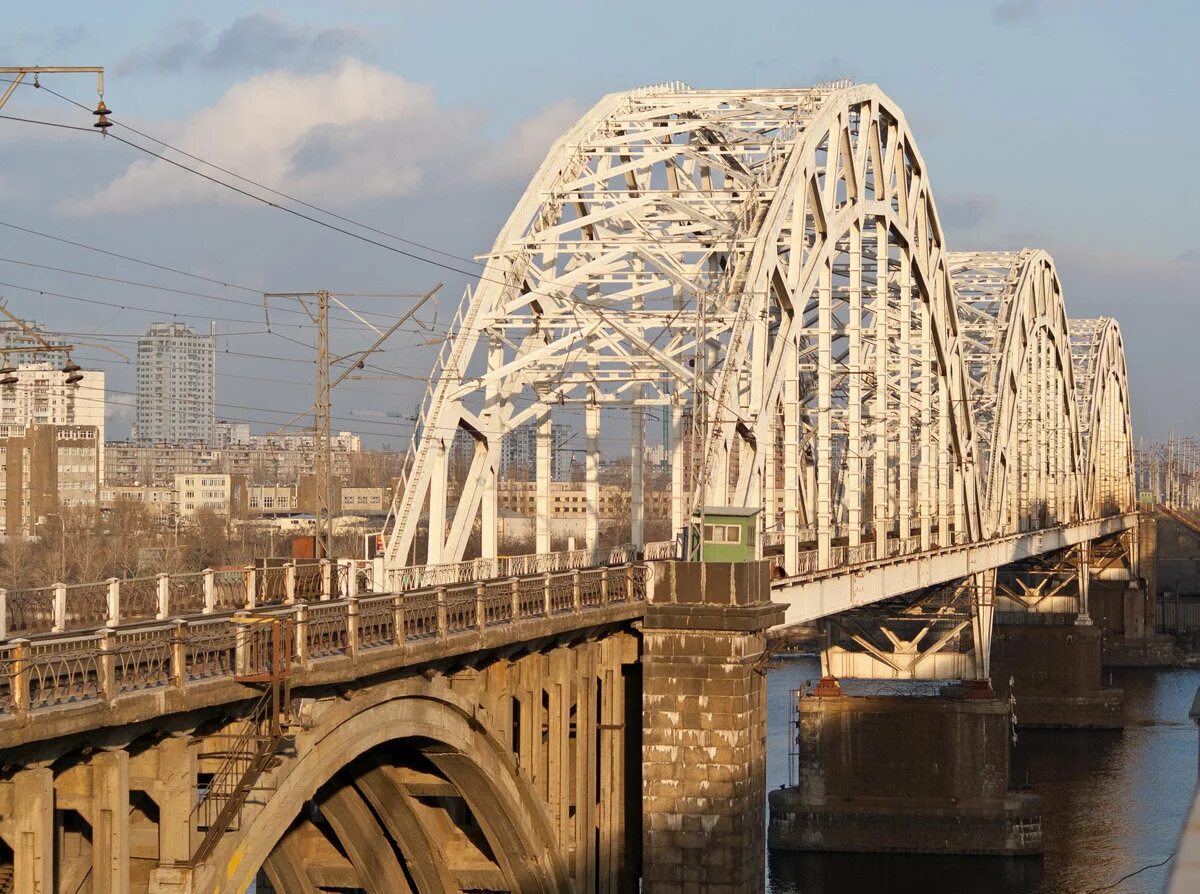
[[352, 133], [120, 407], [966, 212], [51, 40], [1191, 256], [253, 42], [1013, 12]]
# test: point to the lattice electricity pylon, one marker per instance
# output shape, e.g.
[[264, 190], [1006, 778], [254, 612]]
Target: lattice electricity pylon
[[1102, 390], [1018, 349]]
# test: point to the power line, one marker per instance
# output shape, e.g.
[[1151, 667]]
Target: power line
[[263, 186]]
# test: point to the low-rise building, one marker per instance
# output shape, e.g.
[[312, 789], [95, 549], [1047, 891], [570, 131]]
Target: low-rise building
[[219, 493], [158, 500]]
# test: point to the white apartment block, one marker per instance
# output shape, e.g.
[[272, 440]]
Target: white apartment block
[[42, 396], [176, 386], [205, 490]]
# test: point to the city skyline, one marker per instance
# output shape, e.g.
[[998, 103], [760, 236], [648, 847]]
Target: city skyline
[[1017, 160]]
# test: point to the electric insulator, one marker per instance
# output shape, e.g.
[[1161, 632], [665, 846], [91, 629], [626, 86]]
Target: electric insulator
[[101, 114]]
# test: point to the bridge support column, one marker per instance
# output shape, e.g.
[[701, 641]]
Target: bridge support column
[[704, 727], [33, 831], [1125, 613], [110, 822], [1055, 669], [903, 773]]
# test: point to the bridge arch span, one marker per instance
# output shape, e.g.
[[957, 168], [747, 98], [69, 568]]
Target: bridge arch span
[[360, 762], [1106, 430], [1018, 346], [765, 269]]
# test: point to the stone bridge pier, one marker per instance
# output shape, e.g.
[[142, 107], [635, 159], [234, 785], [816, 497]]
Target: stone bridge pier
[[704, 727]]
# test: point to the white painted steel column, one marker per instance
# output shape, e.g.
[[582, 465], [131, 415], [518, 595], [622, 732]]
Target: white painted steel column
[[592, 474], [678, 472], [824, 416], [879, 478], [636, 473], [854, 448], [437, 501], [904, 394], [542, 474], [791, 463]]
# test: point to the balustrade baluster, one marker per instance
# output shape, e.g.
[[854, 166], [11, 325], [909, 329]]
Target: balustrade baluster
[[210, 591], [164, 597]]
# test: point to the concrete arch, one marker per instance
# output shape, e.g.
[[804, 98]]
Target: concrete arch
[[440, 724], [1018, 347]]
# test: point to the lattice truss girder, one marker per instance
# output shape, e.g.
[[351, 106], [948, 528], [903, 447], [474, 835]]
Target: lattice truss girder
[[768, 268], [1106, 431], [940, 633], [1018, 353]]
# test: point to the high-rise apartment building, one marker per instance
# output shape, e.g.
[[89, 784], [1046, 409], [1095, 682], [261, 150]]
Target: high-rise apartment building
[[176, 386], [518, 452], [21, 342]]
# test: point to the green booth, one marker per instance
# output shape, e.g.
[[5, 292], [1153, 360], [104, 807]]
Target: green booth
[[723, 534]]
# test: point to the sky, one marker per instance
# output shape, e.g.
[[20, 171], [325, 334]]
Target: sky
[[1059, 124]]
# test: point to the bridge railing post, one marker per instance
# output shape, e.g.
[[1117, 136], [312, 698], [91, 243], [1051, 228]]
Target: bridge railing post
[[60, 608], [301, 647], [3, 613], [441, 612], [289, 583], [516, 597], [241, 645], [399, 632], [164, 597], [210, 591], [251, 576], [576, 590], [107, 665], [546, 593], [114, 602], [480, 607], [629, 583], [19, 675], [326, 580], [351, 576], [179, 674], [604, 586], [352, 626]]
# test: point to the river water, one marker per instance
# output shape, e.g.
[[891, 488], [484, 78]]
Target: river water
[[1113, 802]]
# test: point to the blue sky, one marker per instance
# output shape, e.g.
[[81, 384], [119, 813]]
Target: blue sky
[[1049, 123]]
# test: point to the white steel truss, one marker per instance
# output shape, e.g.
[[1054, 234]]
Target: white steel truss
[[766, 268], [1018, 348], [1102, 393]]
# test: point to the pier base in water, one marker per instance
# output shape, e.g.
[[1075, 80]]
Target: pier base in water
[[904, 774]]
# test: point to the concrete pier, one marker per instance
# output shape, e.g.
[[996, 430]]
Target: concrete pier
[[704, 727], [1125, 616], [900, 773], [1054, 664]]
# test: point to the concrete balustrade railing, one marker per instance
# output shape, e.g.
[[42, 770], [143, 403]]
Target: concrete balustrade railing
[[51, 672], [62, 607]]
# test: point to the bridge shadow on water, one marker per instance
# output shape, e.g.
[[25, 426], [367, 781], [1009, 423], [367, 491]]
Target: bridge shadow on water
[[1114, 802]]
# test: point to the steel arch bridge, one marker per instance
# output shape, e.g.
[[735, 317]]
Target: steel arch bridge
[[767, 269]]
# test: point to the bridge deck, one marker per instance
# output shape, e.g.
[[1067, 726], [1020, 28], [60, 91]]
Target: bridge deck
[[60, 685], [817, 595]]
